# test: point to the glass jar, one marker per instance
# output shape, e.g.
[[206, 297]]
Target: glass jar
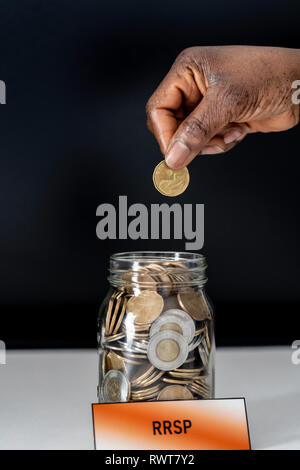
[[156, 329]]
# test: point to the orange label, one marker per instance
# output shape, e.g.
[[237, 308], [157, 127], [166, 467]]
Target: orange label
[[172, 425]]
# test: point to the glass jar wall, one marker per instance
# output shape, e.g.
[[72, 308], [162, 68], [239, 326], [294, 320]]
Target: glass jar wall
[[155, 329]]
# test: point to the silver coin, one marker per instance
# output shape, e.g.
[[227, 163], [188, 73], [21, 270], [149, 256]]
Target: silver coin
[[115, 387], [167, 350]]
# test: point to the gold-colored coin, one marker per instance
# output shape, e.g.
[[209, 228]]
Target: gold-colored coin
[[170, 182], [194, 303], [112, 338], [182, 375], [142, 373], [199, 390], [114, 362], [146, 391], [130, 361], [177, 381], [145, 307], [175, 392], [154, 378]]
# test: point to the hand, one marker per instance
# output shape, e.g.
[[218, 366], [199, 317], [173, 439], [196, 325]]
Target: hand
[[213, 97]]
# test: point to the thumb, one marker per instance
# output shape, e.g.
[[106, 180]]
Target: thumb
[[196, 131]]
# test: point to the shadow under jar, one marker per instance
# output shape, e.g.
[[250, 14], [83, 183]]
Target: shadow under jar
[[155, 329]]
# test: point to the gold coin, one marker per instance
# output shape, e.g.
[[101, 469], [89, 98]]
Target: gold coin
[[114, 337], [203, 393], [152, 379], [145, 307], [142, 373], [130, 361], [180, 375], [115, 314], [144, 397], [109, 312], [170, 182], [177, 381], [104, 368], [175, 392], [194, 303], [114, 362], [146, 391]]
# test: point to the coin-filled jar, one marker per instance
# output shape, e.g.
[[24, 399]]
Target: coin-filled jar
[[155, 329]]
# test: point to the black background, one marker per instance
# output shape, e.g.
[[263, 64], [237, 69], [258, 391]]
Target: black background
[[73, 135]]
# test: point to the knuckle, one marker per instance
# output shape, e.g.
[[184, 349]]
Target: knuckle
[[186, 56]]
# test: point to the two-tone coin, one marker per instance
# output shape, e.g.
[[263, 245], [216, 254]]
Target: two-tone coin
[[116, 387], [170, 182], [189, 323], [172, 321], [167, 350]]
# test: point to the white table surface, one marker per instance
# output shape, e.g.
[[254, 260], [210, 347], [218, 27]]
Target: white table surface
[[46, 396]]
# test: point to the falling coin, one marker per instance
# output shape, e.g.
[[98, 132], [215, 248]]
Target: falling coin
[[175, 392], [194, 303], [170, 182], [145, 307], [167, 350], [116, 387]]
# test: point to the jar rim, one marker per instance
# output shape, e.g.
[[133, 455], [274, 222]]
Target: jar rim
[[158, 255], [174, 262]]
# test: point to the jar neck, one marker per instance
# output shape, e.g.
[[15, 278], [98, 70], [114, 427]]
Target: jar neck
[[143, 268]]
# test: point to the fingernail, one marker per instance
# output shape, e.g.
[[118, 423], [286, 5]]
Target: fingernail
[[177, 155], [211, 150], [231, 136]]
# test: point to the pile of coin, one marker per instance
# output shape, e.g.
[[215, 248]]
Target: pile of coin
[[155, 338]]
